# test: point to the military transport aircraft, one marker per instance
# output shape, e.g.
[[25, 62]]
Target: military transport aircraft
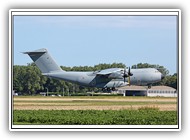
[[108, 79]]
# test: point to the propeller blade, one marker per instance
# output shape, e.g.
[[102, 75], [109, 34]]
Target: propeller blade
[[129, 80], [124, 75], [129, 72]]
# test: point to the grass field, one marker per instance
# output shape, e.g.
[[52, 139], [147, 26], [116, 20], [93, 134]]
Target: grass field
[[94, 110], [146, 116], [94, 103]]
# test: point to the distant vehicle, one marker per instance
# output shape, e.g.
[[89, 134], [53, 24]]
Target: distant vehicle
[[107, 79], [14, 93]]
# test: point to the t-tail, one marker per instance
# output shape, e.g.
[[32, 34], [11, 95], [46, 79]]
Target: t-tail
[[44, 61]]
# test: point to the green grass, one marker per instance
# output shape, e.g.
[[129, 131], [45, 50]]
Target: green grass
[[143, 116]]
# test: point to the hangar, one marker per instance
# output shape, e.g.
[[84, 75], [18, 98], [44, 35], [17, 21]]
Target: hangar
[[154, 91], [133, 91], [164, 91]]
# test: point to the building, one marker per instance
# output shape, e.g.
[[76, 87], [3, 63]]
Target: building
[[154, 91], [133, 91], [162, 91]]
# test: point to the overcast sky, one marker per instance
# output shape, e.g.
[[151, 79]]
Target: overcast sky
[[90, 40]]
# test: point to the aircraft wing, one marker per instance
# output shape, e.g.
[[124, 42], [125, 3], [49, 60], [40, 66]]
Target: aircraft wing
[[108, 71], [112, 73]]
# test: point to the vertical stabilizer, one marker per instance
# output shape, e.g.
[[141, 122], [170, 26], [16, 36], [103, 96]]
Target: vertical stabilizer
[[43, 61]]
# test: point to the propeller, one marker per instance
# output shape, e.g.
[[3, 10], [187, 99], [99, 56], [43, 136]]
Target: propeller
[[127, 74], [130, 74], [124, 74]]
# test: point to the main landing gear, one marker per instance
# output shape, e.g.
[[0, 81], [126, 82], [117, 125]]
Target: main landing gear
[[149, 85], [109, 90]]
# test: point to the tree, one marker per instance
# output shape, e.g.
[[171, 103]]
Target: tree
[[18, 78], [29, 80], [171, 81]]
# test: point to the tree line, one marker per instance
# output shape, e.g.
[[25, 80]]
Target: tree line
[[29, 80]]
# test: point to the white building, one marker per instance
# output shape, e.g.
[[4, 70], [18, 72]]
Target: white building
[[162, 91], [154, 91]]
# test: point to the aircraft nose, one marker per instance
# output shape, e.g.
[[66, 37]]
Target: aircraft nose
[[162, 76]]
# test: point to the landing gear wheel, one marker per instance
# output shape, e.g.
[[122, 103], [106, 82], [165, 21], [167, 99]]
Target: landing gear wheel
[[113, 88], [149, 86]]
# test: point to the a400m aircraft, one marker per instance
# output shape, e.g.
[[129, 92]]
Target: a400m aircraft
[[108, 79]]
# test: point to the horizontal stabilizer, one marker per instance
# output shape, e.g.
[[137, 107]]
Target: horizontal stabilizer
[[40, 51]]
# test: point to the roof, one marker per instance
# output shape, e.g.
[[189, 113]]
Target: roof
[[145, 88], [162, 88]]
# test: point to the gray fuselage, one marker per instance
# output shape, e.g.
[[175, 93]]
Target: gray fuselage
[[143, 76]]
